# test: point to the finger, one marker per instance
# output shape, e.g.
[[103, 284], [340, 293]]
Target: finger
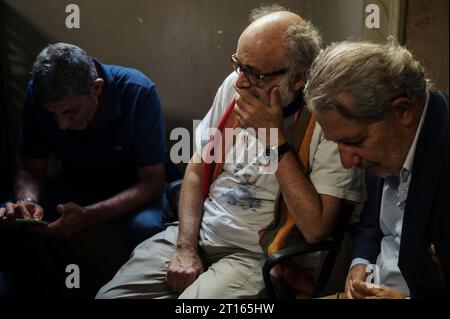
[[177, 282], [245, 96], [384, 292], [177, 285], [275, 98], [241, 116], [252, 100], [354, 293], [358, 294], [172, 277], [183, 285], [189, 280], [242, 108], [169, 282], [347, 288], [23, 211], [57, 229], [372, 297], [52, 229], [10, 210], [3, 217], [237, 109], [61, 208], [38, 212], [363, 288], [348, 294], [169, 278]]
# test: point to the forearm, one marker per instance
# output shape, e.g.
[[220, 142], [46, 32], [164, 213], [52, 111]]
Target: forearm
[[123, 203], [190, 208], [302, 199]]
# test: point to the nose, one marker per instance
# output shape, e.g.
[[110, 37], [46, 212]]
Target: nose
[[63, 122], [242, 81], [349, 158]]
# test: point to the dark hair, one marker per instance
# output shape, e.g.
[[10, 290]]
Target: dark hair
[[62, 70]]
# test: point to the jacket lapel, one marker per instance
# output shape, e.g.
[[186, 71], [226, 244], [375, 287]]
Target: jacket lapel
[[422, 189]]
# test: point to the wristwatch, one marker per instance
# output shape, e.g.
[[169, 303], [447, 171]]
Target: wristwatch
[[278, 151], [26, 199]]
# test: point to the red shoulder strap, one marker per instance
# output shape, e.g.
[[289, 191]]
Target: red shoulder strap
[[228, 120]]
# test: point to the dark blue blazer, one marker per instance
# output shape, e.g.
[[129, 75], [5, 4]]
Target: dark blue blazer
[[426, 217]]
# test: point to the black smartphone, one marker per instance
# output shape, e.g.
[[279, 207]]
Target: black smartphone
[[30, 222]]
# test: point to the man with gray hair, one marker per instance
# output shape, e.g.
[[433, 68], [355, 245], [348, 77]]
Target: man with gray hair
[[374, 101], [215, 252], [104, 122]]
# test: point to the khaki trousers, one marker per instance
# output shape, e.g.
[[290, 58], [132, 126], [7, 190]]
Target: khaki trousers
[[230, 272]]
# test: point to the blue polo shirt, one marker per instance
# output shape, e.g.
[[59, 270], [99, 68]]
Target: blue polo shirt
[[130, 133]]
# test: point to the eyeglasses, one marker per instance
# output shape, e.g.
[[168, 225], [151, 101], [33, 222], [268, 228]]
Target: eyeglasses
[[252, 76]]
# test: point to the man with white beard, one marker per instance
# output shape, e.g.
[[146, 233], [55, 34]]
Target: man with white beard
[[215, 250]]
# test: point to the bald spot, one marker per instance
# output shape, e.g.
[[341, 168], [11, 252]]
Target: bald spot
[[265, 38]]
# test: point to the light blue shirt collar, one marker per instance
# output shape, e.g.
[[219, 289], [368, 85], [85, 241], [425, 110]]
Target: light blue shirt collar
[[405, 172]]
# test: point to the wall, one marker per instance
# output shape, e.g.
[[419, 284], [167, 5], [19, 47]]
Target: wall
[[183, 46], [427, 38], [338, 19]]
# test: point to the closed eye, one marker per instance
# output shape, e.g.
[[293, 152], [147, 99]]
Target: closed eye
[[353, 143], [69, 112]]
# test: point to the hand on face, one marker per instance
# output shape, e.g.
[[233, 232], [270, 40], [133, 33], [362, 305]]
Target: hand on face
[[73, 219], [254, 112], [25, 210]]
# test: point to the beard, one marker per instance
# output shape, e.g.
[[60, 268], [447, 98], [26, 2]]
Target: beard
[[286, 95]]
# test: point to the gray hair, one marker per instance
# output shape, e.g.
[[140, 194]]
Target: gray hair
[[303, 40], [264, 10], [371, 75], [62, 70]]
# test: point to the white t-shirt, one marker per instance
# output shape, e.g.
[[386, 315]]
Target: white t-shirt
[[241, 200]]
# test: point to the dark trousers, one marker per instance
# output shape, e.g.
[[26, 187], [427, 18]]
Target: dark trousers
[[32, 260]]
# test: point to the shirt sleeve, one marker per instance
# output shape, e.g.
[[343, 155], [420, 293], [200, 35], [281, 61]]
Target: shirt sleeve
[[150, 145], [34, 142], [327, 174], [222, 100], [357, 261]]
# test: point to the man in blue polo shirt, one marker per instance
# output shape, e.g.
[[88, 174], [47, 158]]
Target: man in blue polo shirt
[[104, 123]]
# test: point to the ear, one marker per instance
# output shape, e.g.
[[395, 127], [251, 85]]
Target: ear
[[299, 81], [98, 86], [404, 110]]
